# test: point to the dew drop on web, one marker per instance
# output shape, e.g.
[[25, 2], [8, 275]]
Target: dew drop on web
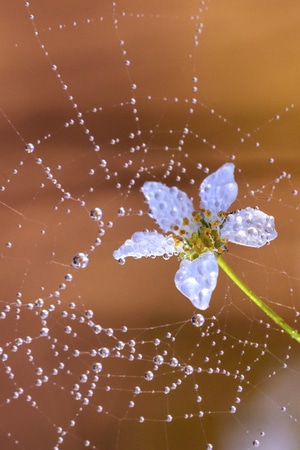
[[198, 320], [96, 214], [29, 148], [80, 261]]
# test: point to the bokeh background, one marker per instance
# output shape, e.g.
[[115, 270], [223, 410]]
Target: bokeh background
[[246, 59]]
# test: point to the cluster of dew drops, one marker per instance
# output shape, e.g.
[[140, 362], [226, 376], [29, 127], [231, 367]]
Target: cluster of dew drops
[[81, 259]]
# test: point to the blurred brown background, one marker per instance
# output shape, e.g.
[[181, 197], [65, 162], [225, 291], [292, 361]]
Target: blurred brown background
[[247, 65]]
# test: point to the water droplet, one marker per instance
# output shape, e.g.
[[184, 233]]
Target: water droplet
[[121, 212], [188, 370], [89, 313], [169, 418], [80, 261], [83, 378], [121, 261], [104, 352], [173, 362], [158, 359], [120, 345], [97, 367], [97, 329], [109, 331], [232, 409], [255, 443], [149, 375], [198, 320], [44, 331], [96, 214]]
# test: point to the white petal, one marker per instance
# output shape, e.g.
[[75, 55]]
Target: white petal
[[168, 205], [145, 243], [219, 190], [197, 279], [250, 227]]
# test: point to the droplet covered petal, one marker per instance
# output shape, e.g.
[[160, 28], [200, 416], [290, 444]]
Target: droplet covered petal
[[146, 243], [197, 279], [250, 227], [168, 205], [218, 190]]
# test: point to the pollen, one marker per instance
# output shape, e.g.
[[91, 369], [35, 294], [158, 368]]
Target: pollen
[[196, 217], [207, 232]]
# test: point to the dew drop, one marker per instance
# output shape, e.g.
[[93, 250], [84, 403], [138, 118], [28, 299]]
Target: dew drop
[[188, 370], [44, 331], [198, 320], [104, 352], [158, 359], [83, 378], [173, 362], [121, 261], [255, 443], [97, 367], [121, 212], [149, 375], [80, 261], [29, 148], [96, 214]]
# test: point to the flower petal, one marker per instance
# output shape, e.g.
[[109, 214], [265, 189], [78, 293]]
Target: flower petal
[[145, 243], [219, 190], [197, 279], [168, 205], [250, 227]]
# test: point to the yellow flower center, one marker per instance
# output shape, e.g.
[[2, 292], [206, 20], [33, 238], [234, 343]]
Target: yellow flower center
[[206, 238]]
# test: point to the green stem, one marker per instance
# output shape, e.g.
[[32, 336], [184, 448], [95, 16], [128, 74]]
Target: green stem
[[258, 301]]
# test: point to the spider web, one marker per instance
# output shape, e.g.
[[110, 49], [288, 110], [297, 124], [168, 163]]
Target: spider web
[[97, 98]]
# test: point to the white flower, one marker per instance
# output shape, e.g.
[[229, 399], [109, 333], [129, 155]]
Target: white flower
[[198, 237]]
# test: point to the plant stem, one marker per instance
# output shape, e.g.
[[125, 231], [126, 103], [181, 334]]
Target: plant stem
[[258, 301]]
